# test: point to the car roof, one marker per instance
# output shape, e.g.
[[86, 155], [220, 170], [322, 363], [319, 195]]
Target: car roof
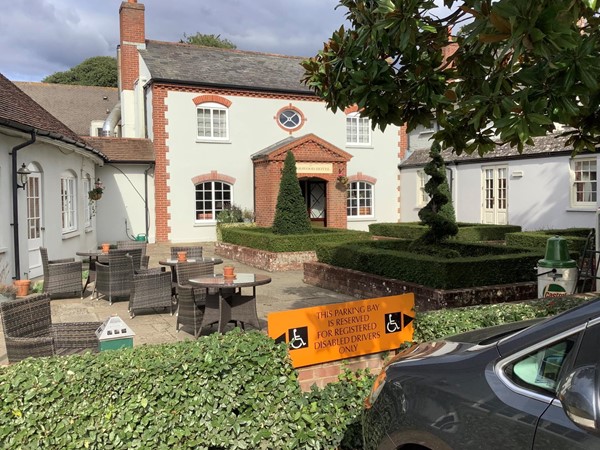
[[547, 329]]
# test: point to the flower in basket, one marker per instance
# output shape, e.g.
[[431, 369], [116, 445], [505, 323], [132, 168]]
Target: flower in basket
[[342, 180], [96, 192]]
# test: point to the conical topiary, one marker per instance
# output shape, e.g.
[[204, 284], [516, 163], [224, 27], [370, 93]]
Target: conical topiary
[[290, 213]]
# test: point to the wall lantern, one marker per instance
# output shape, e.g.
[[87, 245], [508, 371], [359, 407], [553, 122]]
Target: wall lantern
[[23, 173]]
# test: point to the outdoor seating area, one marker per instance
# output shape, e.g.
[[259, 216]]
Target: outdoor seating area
[[148, 307]]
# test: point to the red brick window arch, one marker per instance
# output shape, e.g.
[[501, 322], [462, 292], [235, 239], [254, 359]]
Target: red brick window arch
[[290, 118], [360, 200], [212, 117], [213, 193]]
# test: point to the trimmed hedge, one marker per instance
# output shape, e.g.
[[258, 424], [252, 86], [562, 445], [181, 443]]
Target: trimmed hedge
[[575, 238], [467, 232], [479, 265], [232, 391], [432, 325], [264, 239]]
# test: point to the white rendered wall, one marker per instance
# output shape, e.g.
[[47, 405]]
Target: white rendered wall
[[253, 127], [51, 162], [539, 199], [123, 202]]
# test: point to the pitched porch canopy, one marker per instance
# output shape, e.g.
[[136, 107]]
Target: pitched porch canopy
[[319, 165]]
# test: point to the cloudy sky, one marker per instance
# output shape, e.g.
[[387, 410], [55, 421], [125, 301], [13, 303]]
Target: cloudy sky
[[41, 37]]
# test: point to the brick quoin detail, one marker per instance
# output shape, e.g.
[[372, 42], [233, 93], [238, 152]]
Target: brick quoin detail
[[161, 171], [212, 99], [213, 176], [402, 143]]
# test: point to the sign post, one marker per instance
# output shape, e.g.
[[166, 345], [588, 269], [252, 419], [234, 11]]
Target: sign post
[[344, 330]]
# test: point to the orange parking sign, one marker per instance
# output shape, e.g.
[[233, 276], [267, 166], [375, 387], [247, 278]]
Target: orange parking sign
[[344, 330]]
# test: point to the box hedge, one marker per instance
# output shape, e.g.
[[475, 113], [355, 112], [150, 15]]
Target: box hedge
[[265, 239], [467, 232], [575, 237], [232, 391], [458, 265]]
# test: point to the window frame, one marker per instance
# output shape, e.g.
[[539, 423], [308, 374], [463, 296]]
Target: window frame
[[213, 210], [212, 107], [422, 196], [357, 119], [574, 183], [354, 186], [68, 201]]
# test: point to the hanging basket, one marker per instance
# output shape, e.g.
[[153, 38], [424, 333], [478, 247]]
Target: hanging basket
[[94, 195]]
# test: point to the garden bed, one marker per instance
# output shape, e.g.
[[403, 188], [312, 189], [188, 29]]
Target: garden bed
[[467, 232]]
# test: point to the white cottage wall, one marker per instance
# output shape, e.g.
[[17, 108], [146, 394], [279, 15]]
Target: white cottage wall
[[120, 213], [253, 127]]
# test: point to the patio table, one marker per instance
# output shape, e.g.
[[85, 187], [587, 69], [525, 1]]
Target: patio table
[[228, 307]]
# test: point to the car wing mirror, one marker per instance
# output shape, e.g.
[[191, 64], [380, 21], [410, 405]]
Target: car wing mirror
[[579, 395]]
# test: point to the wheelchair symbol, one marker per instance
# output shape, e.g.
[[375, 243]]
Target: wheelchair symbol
[[298, 338], [391, 325]]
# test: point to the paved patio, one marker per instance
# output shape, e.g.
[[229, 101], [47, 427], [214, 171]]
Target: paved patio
[[286, 291]]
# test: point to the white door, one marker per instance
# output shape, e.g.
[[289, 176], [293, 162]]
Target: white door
[[34, 224], [495, 203]]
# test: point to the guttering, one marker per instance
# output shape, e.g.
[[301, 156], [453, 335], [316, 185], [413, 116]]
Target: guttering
[[147, 210], [16, 205]]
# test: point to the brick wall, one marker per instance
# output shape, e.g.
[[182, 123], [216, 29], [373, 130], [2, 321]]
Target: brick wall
[[161, 171], [364, 285], [270, 261], [322, 374], [132, 29]]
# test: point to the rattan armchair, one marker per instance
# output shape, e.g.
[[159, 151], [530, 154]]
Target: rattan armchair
[[114, 278], [197, 269], [29, 331], [62, 276], [150, 289], [190, 310], [128, 245], [194, 252]]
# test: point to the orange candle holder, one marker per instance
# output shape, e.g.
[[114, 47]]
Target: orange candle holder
[[105, 248], [182, 256]]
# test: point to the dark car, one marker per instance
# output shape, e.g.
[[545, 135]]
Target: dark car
[[515, 386]]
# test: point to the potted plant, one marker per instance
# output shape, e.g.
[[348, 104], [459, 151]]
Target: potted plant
[[248, 215], [96, 193]]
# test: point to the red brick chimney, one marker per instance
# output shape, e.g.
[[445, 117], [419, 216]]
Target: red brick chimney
[[133, 35]]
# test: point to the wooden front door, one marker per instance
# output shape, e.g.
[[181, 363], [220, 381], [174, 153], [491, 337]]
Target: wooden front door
[[315, 197]]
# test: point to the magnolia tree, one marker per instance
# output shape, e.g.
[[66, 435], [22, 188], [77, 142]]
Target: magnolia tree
[[513, 71]]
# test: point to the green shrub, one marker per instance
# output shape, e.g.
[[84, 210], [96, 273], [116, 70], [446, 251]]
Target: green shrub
[[230, 214], [575, 237], [477, 265], [467, 232], [232, 391], [432, 325], [265, 239], [290, 211]]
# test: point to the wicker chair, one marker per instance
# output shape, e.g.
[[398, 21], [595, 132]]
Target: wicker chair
[[115, 278], [187, 270], [29, 331], [190, 312], [62, 276], [243, 309], [192, 252], [128, 245], [150, 289]]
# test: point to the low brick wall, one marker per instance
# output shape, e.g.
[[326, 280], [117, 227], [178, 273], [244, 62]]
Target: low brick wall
[[322, 374], [270, 261], [364, 285]]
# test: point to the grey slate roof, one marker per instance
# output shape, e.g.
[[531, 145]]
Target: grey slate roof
[[551, 145], [75, 106], [20, 112], [210, 66]]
